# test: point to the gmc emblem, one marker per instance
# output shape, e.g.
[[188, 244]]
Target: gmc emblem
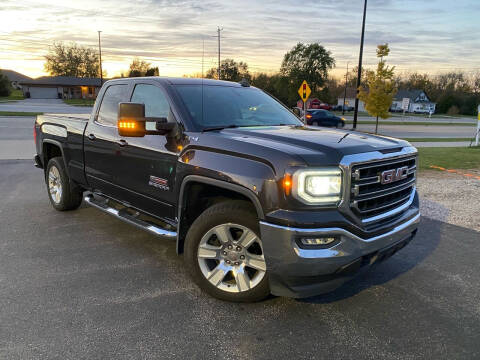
[[390, 176]]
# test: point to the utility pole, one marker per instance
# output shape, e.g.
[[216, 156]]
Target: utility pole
[[203, 53], [218, 31], [359, 76], [345, 93], [100, 52]]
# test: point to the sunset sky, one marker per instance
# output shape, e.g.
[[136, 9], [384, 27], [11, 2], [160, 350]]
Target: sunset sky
[[427, 36]]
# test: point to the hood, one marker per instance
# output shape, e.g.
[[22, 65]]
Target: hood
[[317, 146]]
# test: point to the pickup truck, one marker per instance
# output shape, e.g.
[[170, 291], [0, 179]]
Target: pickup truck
[[257, 202]]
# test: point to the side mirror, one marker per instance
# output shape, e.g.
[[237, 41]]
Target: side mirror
[[163, 127], [131, 120], [296, 111]]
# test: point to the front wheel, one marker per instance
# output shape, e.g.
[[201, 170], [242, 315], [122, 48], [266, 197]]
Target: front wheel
[[224, 253]]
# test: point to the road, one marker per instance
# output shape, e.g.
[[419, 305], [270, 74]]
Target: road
[[410, 118], [45, 106], [16, 135], [82, 285]]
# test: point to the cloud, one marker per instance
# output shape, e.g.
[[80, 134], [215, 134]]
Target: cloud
[[166, 32]]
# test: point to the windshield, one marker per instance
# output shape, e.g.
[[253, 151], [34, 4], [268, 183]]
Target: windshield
[[225, 106]]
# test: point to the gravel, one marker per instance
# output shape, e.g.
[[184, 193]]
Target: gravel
[[451, 198]]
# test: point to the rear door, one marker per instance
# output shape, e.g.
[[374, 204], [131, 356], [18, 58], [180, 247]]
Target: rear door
[[146, 166], [100, 141]]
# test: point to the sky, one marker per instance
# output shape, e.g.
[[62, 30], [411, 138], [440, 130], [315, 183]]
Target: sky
[[433, 36]]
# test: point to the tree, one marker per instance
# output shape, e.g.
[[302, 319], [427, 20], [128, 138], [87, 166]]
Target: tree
[[309, 62], [72, 60], [381, 88], [5, 89], [230, 70], [142, 68]]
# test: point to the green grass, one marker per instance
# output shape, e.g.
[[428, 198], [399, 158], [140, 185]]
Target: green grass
[[437, 139], [19, 113], [423, 123], [449, 157], [80, 102], [15, 95]]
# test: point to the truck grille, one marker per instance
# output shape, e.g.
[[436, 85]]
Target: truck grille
[[371, 197]]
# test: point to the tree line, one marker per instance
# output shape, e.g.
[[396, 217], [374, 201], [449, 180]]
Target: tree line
[[454, 92]]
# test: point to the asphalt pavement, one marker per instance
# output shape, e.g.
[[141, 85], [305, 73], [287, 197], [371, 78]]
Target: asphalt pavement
[[45, 106], [82, 285]]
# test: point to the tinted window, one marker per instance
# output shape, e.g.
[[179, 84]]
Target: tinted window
[[156, 104], [216, 106], [109, 107]]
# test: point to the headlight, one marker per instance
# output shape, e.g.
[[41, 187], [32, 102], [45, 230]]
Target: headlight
[[318, 186]]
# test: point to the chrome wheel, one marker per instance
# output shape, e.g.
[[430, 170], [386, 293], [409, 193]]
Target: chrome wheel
[[55, 184], [231, 258]]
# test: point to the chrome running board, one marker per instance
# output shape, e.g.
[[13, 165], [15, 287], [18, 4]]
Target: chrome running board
[[124, 215]]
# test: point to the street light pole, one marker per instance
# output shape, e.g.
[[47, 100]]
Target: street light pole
[[345, 93], [100, 52], [359, 76], [218, 30]]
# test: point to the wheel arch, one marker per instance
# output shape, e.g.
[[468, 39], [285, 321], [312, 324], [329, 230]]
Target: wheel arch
[[208, 191], [50, 149]]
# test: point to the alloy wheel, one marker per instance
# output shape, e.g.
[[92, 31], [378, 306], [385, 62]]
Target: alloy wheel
[[55, 184], [231, 258]]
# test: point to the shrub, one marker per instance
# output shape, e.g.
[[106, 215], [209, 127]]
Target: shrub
[[453, 110], [5, 89]]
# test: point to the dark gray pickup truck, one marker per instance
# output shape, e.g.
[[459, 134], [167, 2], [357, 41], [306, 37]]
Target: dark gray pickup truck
[[256, 201]]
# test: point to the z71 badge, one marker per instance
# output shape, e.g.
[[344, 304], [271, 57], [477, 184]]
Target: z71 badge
[[158, 183]]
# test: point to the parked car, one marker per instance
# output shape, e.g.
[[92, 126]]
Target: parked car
[[257, 202], [325, 106], [340, 107], [323, 118]]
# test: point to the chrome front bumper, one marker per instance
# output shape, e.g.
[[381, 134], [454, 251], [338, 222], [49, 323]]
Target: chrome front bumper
[[300, 272]]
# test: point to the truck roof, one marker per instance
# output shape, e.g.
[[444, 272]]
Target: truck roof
[[183, 81]]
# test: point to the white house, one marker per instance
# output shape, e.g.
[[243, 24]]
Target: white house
[[350, 99], [419, 102]]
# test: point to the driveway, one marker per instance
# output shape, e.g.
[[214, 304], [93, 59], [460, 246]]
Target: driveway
[[82, 285], [44, 105]]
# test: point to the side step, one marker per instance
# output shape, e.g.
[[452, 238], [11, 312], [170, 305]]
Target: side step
[[124, 215]]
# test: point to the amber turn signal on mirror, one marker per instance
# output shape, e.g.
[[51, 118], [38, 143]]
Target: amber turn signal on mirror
[[131, 120]]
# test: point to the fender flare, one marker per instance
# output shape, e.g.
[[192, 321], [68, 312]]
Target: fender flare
[[59, 144], [219, 183]]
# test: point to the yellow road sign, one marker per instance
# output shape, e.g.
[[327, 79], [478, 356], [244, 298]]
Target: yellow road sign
[[304, 91]]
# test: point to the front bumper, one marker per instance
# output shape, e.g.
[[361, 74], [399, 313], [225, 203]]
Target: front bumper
[[297, 272]]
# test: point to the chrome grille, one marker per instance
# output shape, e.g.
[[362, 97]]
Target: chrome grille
[[373, 201]]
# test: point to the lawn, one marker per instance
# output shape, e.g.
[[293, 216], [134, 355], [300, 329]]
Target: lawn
[[19, 113], [15, 95], [424, 123], [450, 157], [80, 102], [437, 139]]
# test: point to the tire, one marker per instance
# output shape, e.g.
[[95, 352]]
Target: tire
[[231, 277], [63, 195]]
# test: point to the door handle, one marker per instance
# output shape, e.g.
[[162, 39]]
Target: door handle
[[91, 137], [122, 142]]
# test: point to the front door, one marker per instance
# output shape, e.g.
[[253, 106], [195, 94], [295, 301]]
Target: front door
[[146, 166]]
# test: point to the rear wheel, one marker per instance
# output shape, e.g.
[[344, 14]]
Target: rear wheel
[[62, 194], [224, 253]]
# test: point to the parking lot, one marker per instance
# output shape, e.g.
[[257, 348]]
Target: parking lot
[[81, 284]]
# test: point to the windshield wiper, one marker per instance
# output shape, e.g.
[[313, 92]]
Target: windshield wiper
[[214, 128]]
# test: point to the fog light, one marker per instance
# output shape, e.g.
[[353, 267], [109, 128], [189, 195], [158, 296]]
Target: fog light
[[317, 241]]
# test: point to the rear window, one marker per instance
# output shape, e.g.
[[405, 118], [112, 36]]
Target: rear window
[[107, 114]]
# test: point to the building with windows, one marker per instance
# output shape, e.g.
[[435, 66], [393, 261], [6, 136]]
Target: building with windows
[[418, 101], [61, 87]]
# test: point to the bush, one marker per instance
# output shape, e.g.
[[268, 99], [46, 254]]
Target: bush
[[453, 110], [5, 89]]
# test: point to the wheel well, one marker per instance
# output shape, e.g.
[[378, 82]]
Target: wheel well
[[200, 196], [50, 151]]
